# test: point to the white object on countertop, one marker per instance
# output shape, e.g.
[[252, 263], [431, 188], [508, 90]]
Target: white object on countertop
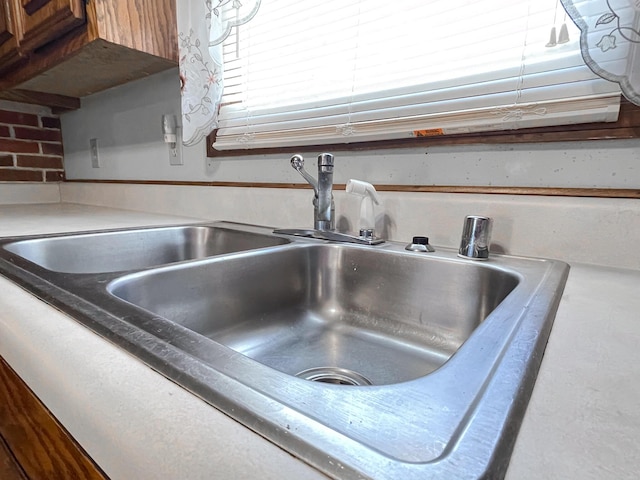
[[369, 197]]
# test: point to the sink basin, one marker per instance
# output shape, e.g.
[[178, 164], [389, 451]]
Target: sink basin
[[335, 313], [135, 249], [363, 361]]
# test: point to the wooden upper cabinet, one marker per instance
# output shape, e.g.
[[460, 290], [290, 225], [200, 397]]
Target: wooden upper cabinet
[[76, 48], [42, 21], [9, 36]]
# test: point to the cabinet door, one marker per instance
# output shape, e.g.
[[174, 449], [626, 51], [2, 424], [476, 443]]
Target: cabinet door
[[37, 441], [9, 36], [46, 20]]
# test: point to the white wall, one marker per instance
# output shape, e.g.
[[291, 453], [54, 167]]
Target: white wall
[[126, 121]]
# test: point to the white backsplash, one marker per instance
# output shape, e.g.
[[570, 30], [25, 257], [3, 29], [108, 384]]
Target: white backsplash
[[127, 123], [20, 193], [587, 230]]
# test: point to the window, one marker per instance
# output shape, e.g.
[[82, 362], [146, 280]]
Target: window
[[342, 71]]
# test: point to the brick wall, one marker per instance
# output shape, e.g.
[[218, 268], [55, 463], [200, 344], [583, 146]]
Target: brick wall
[[30, 147]]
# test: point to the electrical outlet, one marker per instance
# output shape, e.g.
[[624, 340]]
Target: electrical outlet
[[175, 153], [93, 147]]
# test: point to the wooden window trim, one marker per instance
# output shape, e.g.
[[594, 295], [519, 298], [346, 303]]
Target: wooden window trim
[[627, 126], [478, 190]]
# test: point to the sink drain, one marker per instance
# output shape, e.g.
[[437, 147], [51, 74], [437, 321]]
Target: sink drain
[[334, 375]]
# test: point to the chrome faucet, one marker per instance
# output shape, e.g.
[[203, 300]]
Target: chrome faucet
[[323, 206]]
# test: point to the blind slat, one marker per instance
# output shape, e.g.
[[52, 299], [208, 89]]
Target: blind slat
[[304, 70]]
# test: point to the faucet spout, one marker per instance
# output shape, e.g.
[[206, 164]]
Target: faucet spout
[[324, 219]]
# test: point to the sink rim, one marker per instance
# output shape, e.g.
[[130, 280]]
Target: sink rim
[[256, 406], [8, 244], [315, 399]]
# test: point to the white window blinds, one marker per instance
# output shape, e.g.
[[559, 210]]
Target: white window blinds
[[338, 71]]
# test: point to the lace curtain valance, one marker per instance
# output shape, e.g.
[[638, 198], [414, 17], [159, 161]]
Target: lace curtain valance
[[610, 40], [610, 45], [203, 25]]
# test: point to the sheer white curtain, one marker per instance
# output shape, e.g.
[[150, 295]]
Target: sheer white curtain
[[202, 27], [338, 71], [610, 40]]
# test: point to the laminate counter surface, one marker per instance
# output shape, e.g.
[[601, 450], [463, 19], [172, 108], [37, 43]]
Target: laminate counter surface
[[582, 422]]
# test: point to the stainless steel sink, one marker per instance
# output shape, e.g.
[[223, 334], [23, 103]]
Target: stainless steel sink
[[338, 313], [134, 249], [363, 361]]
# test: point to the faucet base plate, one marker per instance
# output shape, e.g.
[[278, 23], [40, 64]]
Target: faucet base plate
[[328, 235]]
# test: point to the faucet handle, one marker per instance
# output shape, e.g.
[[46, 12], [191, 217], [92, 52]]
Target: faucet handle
[[297, 162]]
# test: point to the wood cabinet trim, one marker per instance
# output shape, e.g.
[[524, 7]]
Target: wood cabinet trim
[[9, 467], [10, 36], [34, 437], [43, 21]]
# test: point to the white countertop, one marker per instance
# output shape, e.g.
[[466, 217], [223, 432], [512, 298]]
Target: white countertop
[[582, 422]]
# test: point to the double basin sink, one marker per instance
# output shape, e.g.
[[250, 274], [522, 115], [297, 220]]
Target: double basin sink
[[363, 361]]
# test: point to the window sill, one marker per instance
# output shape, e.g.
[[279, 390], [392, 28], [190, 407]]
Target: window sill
[[627, 126]]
